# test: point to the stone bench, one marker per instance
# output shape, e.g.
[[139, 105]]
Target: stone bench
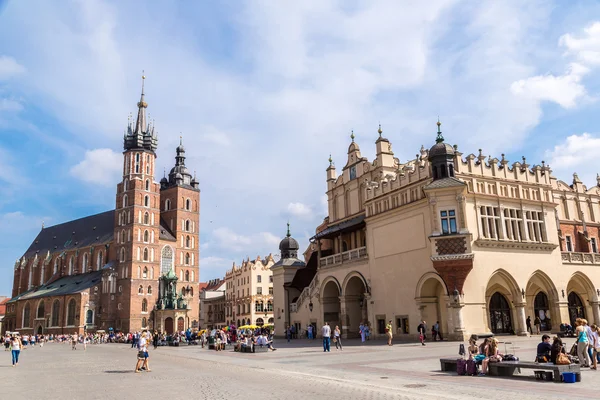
[[255, 349], [507, 368]]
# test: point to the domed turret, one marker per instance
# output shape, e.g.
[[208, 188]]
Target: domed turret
[[441, 157], [289, 246]]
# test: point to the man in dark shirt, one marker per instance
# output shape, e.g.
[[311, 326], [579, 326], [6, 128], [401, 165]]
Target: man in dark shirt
[[543, 349]]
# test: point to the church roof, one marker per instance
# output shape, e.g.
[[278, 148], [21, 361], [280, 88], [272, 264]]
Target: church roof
[[83, 232], [66, 285], [165, 231], [340, 227]]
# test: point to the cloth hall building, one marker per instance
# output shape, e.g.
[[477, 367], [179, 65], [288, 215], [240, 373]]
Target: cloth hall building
[[474, 242], [128, 269]]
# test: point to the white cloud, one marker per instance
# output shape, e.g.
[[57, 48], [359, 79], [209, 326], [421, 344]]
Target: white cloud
[[576, 154], [99, 166], [300, 210], [9, 67], [564, 90], [252, 244], [10, 105], [587, 47]]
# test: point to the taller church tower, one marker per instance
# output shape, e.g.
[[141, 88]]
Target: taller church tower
[[137, 224]]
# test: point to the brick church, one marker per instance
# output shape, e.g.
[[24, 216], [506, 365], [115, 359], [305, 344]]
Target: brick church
[[126, 269]]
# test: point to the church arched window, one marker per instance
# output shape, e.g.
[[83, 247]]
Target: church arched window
[[166, 259], [84, 267], [146, 218], [187, 258], [188, 204], [147, 184], [71, 269], [145, 274], [141, 290], [122, 258], [149, 289], [124, 201], [145, 254], [187, 241], [187, 276], [167, 204], [187, 225], [125, 184], [147, 201], [146, 236], [137, 163], [144, 305]]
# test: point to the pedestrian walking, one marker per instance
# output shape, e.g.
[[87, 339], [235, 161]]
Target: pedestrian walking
[[538, 323], [388, 332], [436, 331], [337, 338], [363, 333], [422, 330], [326, 333], [74, 339], [143, 356], [15, 347], [528, 324]]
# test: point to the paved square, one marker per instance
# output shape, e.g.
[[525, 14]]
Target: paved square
[[299, 369]]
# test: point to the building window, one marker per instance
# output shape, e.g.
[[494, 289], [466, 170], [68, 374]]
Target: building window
[[146, 236], [569, 243], [187, 241], [269, 305], [141, 290], [40, 310], [258, 278], [146, 254], [166, 259], [99, 261], [594, 245], [187, 225], [137, 163], [144, 322], [147, 184], [145, 274], [270, 289], [187, 276], [147, 201], [187, 258], [144, 305], [167, 205], [271, 279], [71, 266], [259, 290], [122, 258], [85, 262], [258, 306], [146, 218], [490, 222], [124, 201], [448, 218], [535, 226], [149, 289], [125, 182], [513, 223], [71, 313], [188, 204], [26, 316], [55, 312]]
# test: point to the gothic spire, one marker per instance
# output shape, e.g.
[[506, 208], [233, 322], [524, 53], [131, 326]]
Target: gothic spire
[[140, 125]]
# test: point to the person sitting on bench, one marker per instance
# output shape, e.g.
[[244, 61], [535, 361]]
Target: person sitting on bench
[[491, 354], [544, 350], [557, 348]]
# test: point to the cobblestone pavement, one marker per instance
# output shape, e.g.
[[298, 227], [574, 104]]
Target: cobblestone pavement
[[371, 371]]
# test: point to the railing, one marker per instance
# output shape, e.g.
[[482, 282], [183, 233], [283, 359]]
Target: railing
[[570, 257], [347, 256], [306, 293]]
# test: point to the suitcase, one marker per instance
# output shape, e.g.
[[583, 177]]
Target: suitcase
[[471, 367], [461, 366]]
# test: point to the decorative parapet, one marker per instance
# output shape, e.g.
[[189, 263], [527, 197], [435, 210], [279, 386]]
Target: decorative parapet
[[569, 257], [506, 244], [357, 254]]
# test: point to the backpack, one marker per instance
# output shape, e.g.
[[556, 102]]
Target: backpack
[[461, 366], [510, 357]]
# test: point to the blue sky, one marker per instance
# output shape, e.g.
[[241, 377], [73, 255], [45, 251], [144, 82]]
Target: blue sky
[[263, 91]]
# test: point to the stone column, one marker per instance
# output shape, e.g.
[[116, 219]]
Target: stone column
[[521, 321], [595, 311], [343, 318], [318, 253]]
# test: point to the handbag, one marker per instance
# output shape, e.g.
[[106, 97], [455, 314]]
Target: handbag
[[562, 359], [334, 339], [141, 354]]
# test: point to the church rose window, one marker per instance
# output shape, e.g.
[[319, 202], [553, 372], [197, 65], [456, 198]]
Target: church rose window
[[166, 259]]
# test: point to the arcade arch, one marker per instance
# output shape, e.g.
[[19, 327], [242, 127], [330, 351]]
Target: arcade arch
[[330, 301], [431, 297], [501, 295], [355, 303], [542, 297]]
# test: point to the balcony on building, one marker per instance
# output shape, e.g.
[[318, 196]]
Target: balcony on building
[[342, 242]]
